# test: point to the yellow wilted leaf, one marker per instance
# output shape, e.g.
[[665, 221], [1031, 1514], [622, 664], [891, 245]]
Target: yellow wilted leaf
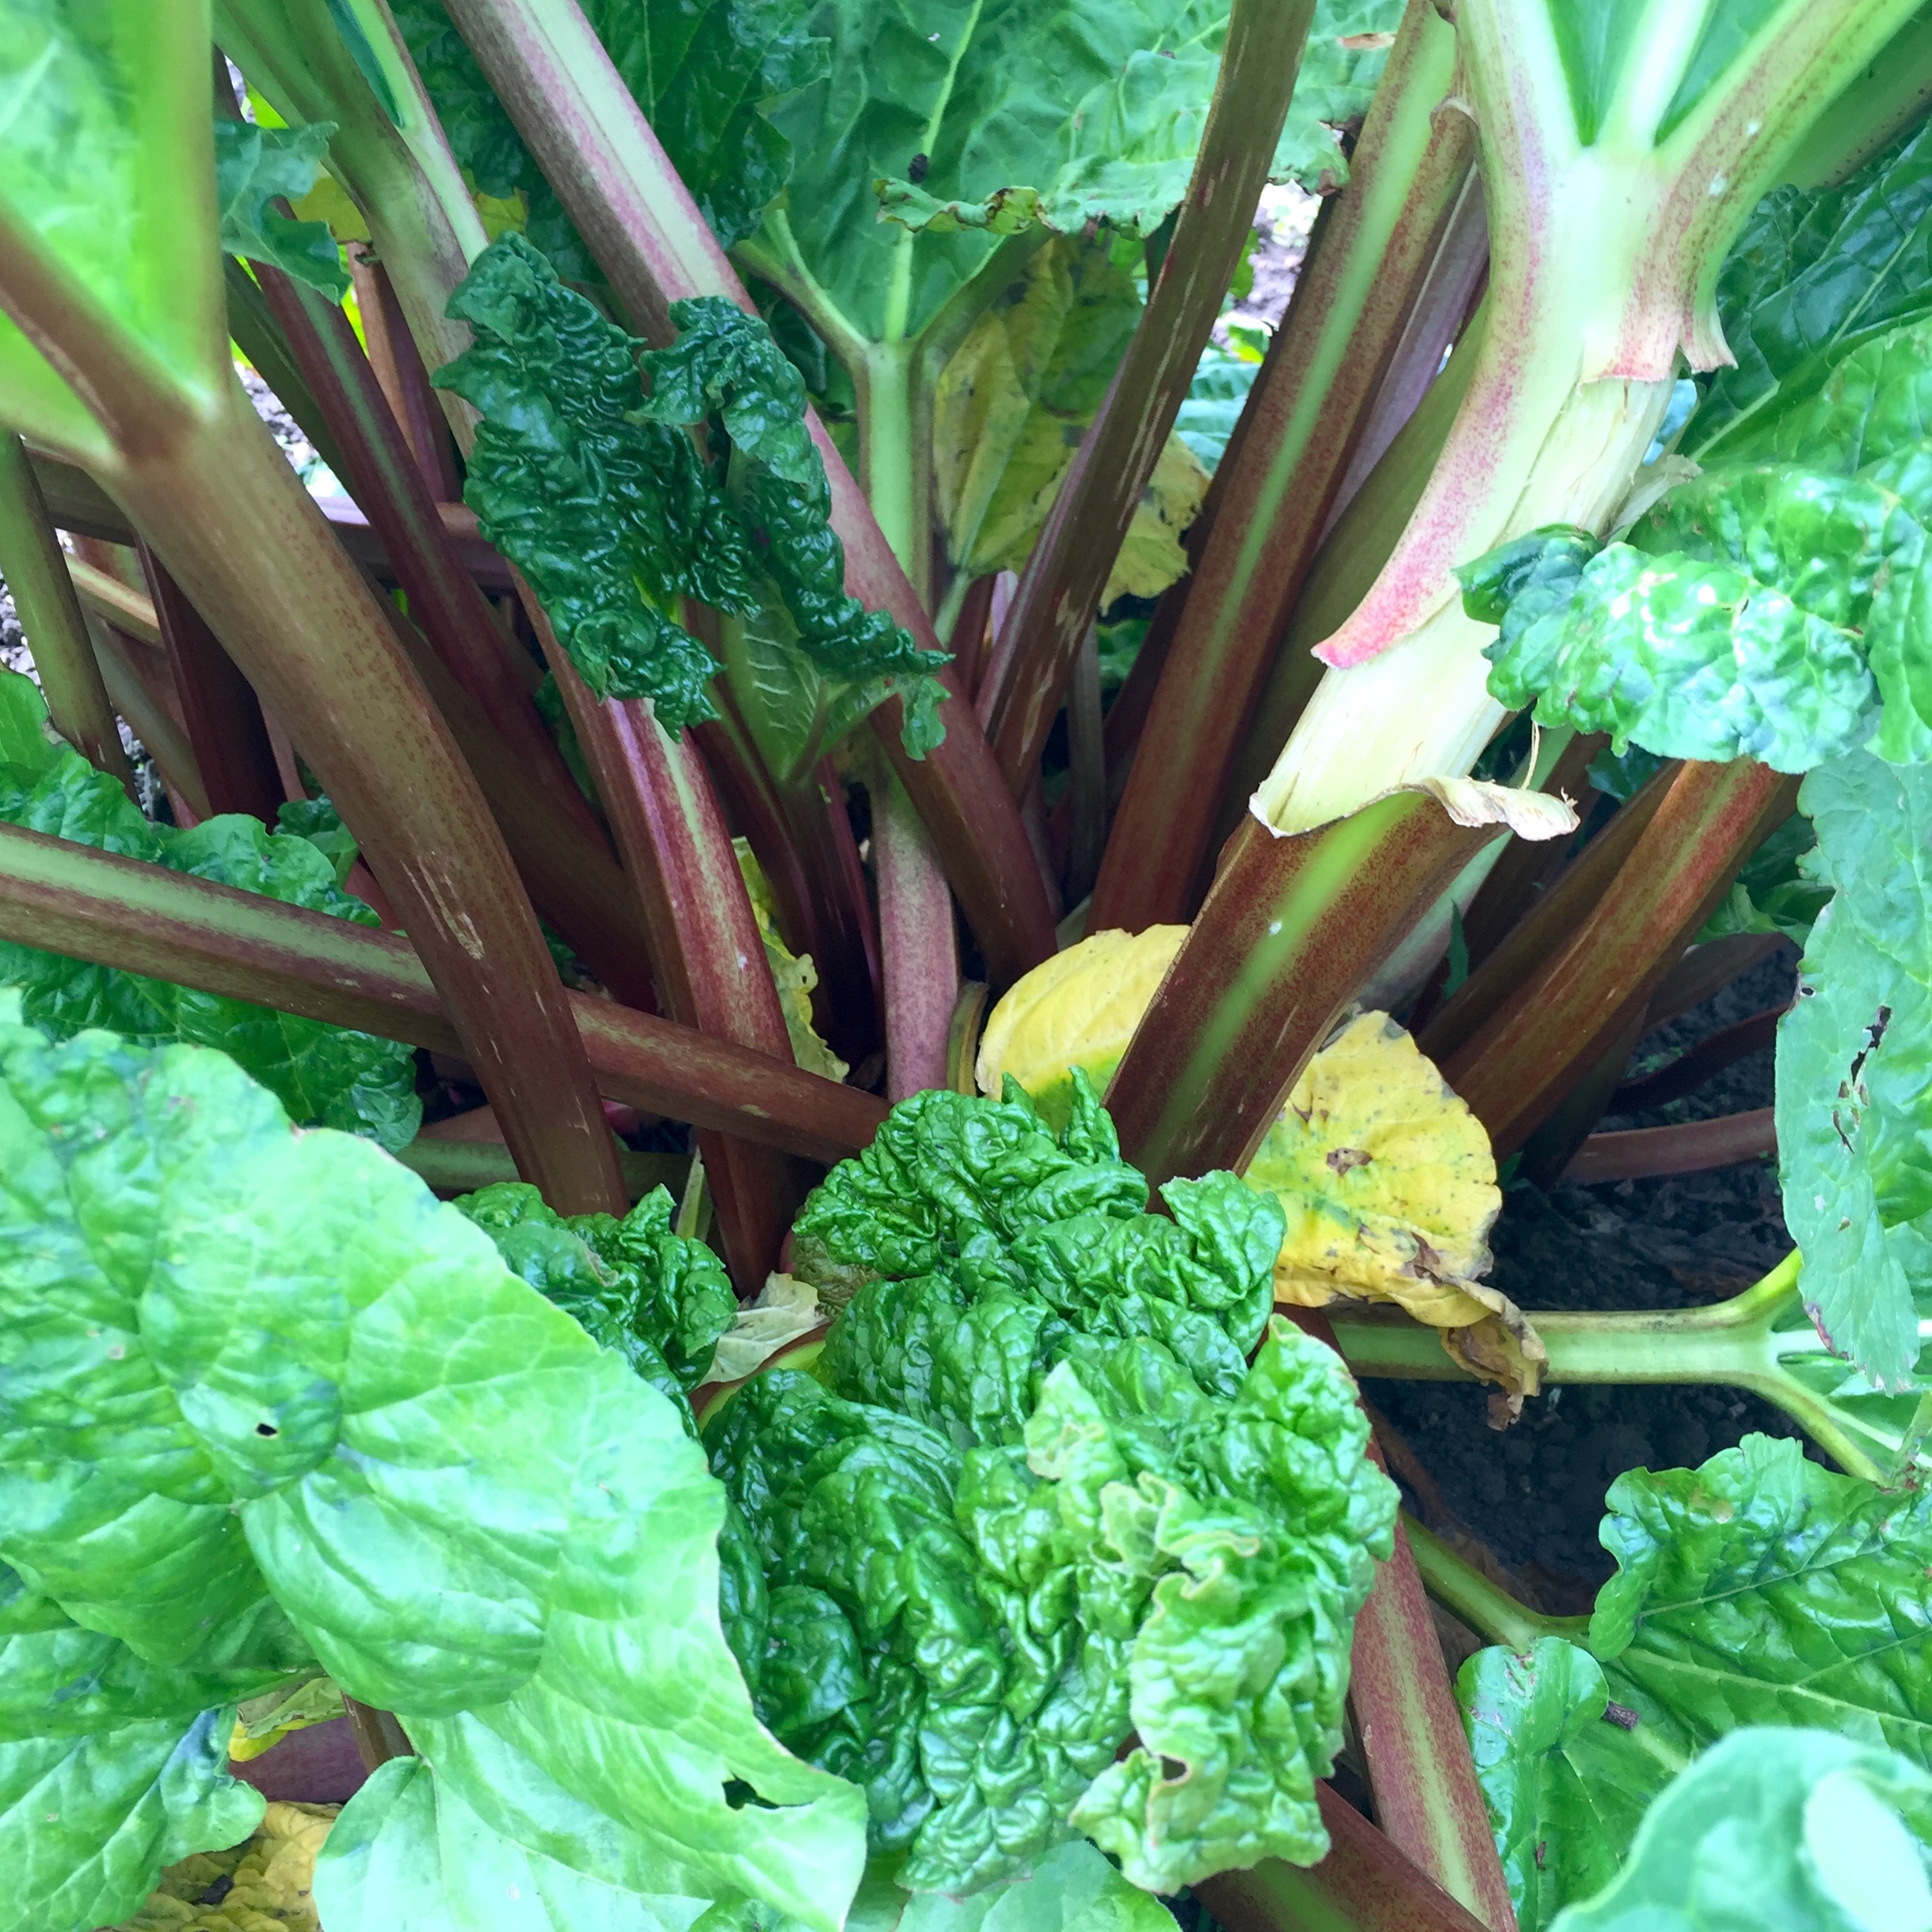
[[262, 1886], [1011, 408], [326, 201], [1389, 1187], [1078, 1008], [795, 976], [261, 1723]]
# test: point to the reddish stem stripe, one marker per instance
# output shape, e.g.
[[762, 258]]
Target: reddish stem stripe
[[1292, 929], [1275, 506], [1515, 1070], [117, 911], [1060, 589]]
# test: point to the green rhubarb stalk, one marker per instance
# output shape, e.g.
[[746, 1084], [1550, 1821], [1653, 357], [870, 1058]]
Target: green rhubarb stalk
[[1304, 417], [1761, 1340], [50, 614], [1292, 929], [87, 905], [579, 120], [1486, 1607], [325, 60], [133, 316], [1616, 172], [1061, 588]]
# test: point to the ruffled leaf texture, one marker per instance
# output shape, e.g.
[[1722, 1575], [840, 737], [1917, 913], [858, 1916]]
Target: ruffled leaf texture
[[1032, 1498]]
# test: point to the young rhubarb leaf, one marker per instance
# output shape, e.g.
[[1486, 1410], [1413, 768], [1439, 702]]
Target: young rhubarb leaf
[[1778, 1827], [660, 1300], [1566, 1787], [1757, 1589], [793, 973], [725, 364], [334, 1412], [596, 491], [255, 167], [330, 1076], [706, 75], [1775, 892], [1854, 1067], [988, 1516]]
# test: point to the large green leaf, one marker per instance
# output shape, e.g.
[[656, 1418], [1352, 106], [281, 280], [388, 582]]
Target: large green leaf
[[1854, 1066], [110, 1767], [1815, 274], [329, 1076], [106, 109], [1760, 1589], [1565, 1786], [705, 72], [977, 117], [1777, 1831], [255, 1379], [407, 1851], [1763, 1589]]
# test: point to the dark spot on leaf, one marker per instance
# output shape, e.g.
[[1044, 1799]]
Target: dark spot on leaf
[[918, 169], [266, 1428], [217, 1891], [1620, 1715], [1345, 1160], [1541, 1846]]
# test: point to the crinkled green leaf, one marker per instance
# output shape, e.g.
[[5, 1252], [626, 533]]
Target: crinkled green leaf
[[255, 167], [968, 121], [1565, 1786], [706, 75], [724, 363], [331, 1075], [660, 1300], [1814, 273], [407, 1851], [973, 1635], [1689, 659], [1798, 1831], [1529, 577], [611, 517], [1031, 1497], [596, 490], [110, 1767], [1854, 1066], [254, 1379]]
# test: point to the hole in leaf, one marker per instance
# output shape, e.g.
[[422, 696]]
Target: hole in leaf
[[266, 1428]]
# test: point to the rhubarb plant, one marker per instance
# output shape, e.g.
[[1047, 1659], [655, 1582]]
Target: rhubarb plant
[[610, 760]]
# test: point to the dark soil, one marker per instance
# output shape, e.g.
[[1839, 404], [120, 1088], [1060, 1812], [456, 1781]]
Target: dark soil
[[1534, 1493]]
